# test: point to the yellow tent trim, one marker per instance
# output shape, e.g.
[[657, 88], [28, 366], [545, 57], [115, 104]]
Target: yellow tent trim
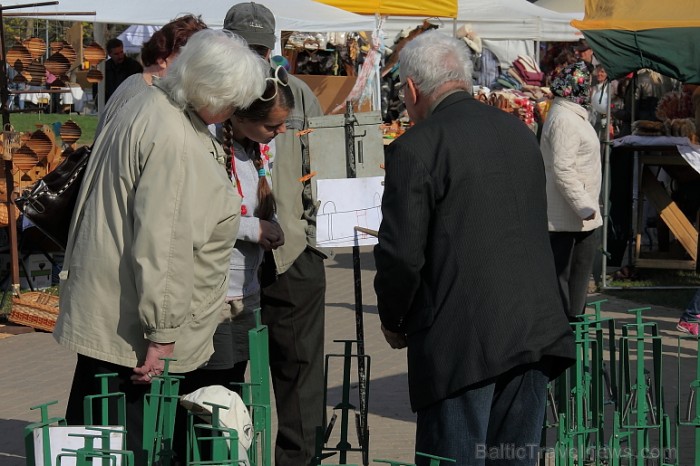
[[635, 25], [424, 8], [636, 15]]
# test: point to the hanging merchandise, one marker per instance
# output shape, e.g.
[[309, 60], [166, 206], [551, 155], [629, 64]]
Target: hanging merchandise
[[328, 54], [365, 85], [10, 141]]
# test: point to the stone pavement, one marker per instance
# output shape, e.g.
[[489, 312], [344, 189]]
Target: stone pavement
[[35, 370]]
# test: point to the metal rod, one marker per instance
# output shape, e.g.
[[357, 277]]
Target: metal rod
[[9, 179], [26, 5], [55, 13], [606, 195], [368, 231], [350, 122]]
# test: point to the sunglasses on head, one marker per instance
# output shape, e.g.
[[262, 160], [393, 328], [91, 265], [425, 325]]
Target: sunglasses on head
[[279, 77]]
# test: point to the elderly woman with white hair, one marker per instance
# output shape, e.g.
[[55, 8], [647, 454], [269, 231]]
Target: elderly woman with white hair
[[146, 266]]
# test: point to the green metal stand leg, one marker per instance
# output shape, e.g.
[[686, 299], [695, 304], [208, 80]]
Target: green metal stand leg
[[343, 446], [159, 417]]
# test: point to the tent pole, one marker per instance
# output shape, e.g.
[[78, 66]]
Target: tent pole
[[379, 37], [606, 195], [99, 36]]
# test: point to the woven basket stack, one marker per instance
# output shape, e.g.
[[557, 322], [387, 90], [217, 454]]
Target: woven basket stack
[[35, 309]]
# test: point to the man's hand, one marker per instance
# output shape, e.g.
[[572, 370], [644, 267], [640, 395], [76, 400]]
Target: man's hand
[[395, 340]]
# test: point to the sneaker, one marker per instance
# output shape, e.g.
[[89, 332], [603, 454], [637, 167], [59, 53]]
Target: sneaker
[[687, 327]]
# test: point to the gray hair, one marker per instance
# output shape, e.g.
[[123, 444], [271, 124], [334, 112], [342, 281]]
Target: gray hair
[[215, 71], [432, 59]]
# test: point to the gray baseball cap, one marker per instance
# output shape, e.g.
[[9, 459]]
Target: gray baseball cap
[[253, 22]]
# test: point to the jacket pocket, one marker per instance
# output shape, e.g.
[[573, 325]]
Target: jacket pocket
[[215, 294]]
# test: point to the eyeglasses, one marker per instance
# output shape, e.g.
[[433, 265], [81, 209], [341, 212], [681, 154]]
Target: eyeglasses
[[279, 78], [401, 90]]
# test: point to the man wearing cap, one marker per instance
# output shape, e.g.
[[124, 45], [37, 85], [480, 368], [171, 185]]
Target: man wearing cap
[[585, 53], [293, 276]]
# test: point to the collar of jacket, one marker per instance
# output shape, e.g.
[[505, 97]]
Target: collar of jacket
[[574, 107], [193, 116], [448, 97]]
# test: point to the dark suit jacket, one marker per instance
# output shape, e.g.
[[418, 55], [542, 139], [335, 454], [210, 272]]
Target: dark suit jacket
[[464, 264]]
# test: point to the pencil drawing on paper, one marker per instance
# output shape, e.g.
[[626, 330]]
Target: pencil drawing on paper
[[344, 205]]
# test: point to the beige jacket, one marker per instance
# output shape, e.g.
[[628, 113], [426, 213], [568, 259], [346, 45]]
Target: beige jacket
[[296, 210], [150, 239], [571, 153]]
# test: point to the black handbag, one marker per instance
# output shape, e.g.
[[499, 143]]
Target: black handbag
[[50, 202]]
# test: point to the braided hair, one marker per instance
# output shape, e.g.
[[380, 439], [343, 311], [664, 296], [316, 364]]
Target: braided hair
[[266, 201], [258, 111]]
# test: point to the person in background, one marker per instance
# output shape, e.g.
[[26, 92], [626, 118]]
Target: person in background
[[650, 87], [146, 265], [571, 153], [118, 67], [688, 322], [246, 139], [584, 53], [598, 115], [293, 275], [156, 54], [464, 212]]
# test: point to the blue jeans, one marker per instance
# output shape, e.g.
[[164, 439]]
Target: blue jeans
[[692, 310], [496, 422]]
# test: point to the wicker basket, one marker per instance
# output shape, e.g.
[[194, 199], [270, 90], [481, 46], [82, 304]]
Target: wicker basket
[[35, 309]]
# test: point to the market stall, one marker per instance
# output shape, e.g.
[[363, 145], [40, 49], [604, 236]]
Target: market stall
[[507, 27], [627, 36]]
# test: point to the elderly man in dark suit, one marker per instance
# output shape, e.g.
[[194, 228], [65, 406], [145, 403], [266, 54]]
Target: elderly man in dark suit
[[465, 273]]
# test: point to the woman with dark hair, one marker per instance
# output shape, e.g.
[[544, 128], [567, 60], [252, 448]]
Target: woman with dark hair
[[248, 142], [156, 54]]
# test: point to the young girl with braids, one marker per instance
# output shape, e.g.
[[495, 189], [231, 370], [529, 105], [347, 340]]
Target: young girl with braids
[[247, 138]]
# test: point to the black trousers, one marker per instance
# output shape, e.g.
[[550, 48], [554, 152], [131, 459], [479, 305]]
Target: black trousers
[[574, 254], [293, 310], [85, 383]]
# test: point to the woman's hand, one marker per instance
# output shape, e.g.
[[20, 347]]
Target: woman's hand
[[153, 365], [271, 235]]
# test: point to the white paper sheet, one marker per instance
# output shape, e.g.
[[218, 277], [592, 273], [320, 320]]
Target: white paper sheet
[[60, 439], [345, 204]]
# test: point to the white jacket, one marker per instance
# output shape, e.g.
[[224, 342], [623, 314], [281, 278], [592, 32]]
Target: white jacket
[[571, 153]]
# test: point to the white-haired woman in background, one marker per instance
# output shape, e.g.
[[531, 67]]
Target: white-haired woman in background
[[146, 267]]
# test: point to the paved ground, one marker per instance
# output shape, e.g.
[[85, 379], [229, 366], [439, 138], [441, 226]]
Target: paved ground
[[35, 369]]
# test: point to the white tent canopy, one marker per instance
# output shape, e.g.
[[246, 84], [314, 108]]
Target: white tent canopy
[[291, 15], [507, 27], [135, 35], [501, 20]]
